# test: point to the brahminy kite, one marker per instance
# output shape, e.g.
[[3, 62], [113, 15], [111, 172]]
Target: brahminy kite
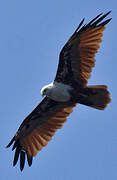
[[76, 60]]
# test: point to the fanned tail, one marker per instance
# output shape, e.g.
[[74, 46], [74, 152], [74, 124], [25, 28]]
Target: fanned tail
[[97, 97]]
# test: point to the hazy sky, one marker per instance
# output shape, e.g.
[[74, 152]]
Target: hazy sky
[[32, 34]]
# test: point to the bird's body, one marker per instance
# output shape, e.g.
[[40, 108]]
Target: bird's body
[[70, 87]]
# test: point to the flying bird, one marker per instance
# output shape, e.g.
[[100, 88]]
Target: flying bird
[[69, 88]]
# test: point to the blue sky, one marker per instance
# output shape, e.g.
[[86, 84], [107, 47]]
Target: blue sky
[[32, 34]]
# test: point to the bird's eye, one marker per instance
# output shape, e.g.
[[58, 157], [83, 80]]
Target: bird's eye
[[44, 92]]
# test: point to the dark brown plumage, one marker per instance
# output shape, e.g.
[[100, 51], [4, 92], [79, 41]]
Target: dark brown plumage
[[75, 65]]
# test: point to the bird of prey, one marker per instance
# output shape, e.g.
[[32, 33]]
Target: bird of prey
[[76, 60]]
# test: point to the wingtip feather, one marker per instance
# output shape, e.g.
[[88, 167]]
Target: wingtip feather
[[79, 25], [29, 159], [11, 142], [16, 156], [22, 160]]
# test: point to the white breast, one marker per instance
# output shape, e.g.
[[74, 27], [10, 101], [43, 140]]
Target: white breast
[[59, 92]]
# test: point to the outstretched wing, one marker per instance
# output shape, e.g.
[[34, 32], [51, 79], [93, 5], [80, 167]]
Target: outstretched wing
[[38, 128], [77, 56]]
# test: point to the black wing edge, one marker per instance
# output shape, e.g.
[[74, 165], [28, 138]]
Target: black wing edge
[[93, 23], [19, 153]]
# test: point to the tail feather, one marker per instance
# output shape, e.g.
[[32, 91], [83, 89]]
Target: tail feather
[[97, 97]]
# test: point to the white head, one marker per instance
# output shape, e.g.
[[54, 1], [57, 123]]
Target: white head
[[45, 91]]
